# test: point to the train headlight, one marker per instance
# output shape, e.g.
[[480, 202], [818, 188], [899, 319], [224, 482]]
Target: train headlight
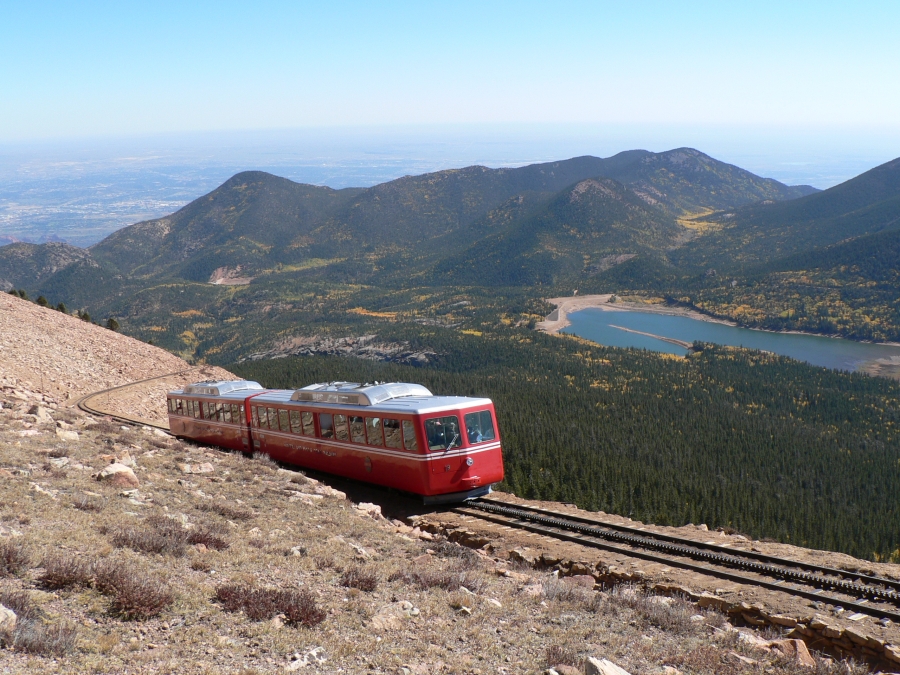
[[469, 461]]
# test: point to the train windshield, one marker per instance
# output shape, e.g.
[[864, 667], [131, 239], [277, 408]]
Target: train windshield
[[479, 426], [442, 432]]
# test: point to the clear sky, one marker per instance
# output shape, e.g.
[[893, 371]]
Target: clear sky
[[83, 69]]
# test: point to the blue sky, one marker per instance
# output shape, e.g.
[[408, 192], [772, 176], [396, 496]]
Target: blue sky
[[88, 69]]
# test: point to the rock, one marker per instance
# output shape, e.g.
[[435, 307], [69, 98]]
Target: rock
[[892, 653], [602, 667], [7, 619], [393, 615], [579, 569], [669, 670], [781, 620], [313, 657], [563, 669], [369, 509], [206, 467], [707, 600], [495, 603], [118, 475], [832, 632], [40, 412], [795, 649], [856, 637], [583, 580], [533, 590], [67, 435]]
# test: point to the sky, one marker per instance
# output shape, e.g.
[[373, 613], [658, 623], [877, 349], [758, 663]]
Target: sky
[[87, 69]]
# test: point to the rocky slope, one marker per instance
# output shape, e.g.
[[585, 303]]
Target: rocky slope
[[125, 550]]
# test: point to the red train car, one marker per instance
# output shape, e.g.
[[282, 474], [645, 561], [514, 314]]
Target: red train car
[[444, 448]]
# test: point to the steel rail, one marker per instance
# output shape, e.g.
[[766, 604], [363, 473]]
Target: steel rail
[[84, 403], [711, 546], [594, 537]]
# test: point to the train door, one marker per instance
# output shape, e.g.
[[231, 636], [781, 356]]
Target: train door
[[443, 436]]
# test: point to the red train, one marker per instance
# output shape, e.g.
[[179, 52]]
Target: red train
[[444, 448]]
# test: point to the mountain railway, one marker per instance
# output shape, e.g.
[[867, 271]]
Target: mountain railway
[[707, 558], [703, 557]]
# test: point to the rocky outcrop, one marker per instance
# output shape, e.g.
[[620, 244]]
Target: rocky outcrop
[[364, 347]]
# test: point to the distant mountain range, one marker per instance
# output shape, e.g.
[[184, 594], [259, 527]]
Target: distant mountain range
[[676, 223]]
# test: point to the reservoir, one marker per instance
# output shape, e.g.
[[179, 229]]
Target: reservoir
[[616, 329]]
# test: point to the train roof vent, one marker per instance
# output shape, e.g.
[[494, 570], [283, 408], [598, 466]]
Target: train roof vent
[[354, 393], [219, 387]]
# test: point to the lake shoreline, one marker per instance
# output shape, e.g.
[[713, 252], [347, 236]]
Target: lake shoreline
[[883, 366], [558, 319]]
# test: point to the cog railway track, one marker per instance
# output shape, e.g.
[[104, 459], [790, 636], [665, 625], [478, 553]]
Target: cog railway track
[[770, 572]]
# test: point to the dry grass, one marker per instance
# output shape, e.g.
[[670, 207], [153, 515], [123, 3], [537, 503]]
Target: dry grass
[[36, 637], [89, 503], [227, 511]]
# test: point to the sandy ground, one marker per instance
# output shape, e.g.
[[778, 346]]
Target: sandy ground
[[558, 319]]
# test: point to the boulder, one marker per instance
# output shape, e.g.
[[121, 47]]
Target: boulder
[[602, 667], [796, 650], [118, 475], [7, 619], [205, 467], [40, 412], [369, 509], [66, 435]]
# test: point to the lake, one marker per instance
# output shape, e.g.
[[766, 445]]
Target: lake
[[605, 327]]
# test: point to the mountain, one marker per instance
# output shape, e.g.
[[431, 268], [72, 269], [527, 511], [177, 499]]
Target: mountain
[[576, 231], [760, 232], [552, 223], [30, 264]]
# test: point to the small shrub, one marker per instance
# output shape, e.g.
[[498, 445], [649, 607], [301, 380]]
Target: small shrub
[[207, 535], [135, 594], [36, 637], [227, 511], [59, 451], [201, 565], [559, 656], [21, 603], [559, 590], [672, 615], [65, 572], [14, 557], [298, 607], [360, 578], [159, 535], [444, 579]]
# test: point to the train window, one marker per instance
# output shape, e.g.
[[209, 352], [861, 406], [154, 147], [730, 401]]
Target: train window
[[340, 428], [409, 436], [326, 425], [273, 419], [373, 431], [357, 429], [259, 415], [204, 410], [179, 406], [295, 421], [237, 416], [442, 432], [392, 437], [479, 426], [211, 411], [171, 404], [308, 428], [223, 412], [196, 410], [283, 421]]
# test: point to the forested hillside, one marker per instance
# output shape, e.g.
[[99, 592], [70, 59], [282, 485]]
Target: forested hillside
[[727, 437]]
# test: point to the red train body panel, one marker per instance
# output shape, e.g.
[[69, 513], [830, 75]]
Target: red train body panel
[[444, 448]]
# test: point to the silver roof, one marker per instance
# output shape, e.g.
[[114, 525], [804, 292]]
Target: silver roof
[[354, 393], [404, 404], [219, 387]]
